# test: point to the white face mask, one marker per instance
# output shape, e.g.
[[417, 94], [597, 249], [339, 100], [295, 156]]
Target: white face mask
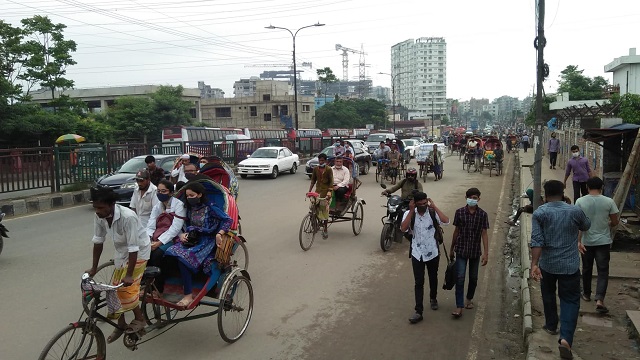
[[575, 154]]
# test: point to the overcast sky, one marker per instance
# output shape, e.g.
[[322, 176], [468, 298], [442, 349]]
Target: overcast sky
[[489, 43]]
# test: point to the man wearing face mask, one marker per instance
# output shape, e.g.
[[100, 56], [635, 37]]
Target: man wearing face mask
[[144, 197], [425, 250], [322, 178], [190, 171], [471, 224], [581, 173]]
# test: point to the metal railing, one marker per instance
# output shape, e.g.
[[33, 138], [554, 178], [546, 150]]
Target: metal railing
[[55, 167]]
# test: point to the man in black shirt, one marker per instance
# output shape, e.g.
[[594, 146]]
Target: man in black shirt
[[155, 173]]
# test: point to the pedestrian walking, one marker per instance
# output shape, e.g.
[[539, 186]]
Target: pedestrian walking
[[595, 243], [579, 165], [525, 142], [555, 262], [471, 224], [425, 249], [554, 146]]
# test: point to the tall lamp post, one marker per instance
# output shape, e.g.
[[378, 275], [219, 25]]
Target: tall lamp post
[[295, 72], [393, 94]]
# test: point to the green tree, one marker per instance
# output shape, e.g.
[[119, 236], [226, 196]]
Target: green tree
[[169, 108], [353, 113], [579, 86], [486, 116], [326, 77], [11, 56], [48, 54], [629, 107], [530, 119]]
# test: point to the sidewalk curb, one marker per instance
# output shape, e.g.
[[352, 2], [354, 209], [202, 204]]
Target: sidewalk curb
[[525, 265], [42, 203]]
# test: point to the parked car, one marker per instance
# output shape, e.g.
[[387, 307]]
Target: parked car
[[122, 181], [357, 143], [373, 140], [363, 158], [270, 160]]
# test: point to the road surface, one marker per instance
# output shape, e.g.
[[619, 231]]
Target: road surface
[[342, 299]]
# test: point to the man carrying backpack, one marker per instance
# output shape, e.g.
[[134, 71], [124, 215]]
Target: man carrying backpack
[[420, 220]]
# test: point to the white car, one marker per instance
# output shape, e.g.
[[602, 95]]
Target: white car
[[411, 146], [270, 160]]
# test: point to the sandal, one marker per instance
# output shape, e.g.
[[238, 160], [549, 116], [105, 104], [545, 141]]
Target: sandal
[[135, 326], [184, 302], [115, 335], [457, 314], [468, 305], [601, 309]]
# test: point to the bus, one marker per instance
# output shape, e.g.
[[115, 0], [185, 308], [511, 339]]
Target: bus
[[196, 140], [360, 133], [337, 133], [267, 137], [310, 140]]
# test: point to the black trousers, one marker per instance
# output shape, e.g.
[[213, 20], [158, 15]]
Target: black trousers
[[601, 255], [340, 194], [168, 266], [418, 275], [553, 157], [578, 188]]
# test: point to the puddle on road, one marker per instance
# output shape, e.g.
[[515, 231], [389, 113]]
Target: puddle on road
[[597, 320]]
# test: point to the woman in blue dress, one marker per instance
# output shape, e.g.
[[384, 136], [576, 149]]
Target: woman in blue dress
[[196, 249]]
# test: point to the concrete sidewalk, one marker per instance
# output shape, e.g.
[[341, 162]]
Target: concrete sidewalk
[[623, 265]]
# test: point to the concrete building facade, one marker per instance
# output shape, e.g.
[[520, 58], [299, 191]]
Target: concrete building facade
[[626, 72], [254, 85], [99, 99], [207, 92], [420, 71], [265, 109]]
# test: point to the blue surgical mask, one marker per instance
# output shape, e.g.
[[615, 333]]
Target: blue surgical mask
[[472, 202]]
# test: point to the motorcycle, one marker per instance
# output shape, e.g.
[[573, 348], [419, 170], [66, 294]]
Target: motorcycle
[[3, 232], [391, 221]]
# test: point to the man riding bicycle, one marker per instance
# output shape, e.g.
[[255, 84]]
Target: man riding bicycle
[[381, 152], [322, 178]]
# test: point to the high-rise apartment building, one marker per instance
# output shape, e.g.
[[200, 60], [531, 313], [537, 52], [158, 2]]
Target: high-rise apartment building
[[419, 68]]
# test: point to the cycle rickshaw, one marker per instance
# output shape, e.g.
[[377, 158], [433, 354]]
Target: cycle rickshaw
[[425, 165], [351, 210], [229, 292], [489, 157], [512, 143]]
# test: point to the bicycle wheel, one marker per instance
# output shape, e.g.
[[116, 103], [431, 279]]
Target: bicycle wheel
[[155, 314], [104, 272], [470, 163], [358, 218], [236, 308], [386, 237], [307, 232], [490, 167], [240, 256], [378, 172], [76, 341]]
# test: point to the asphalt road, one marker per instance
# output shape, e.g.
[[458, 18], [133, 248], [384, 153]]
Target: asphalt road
[[342, 299]]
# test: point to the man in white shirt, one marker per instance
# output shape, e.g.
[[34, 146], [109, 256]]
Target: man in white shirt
[[341, 180], [132, 250], [177, 174], [424, 248], [144, 197]]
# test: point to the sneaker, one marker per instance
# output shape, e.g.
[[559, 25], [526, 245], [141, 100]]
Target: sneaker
[[585, 297], [434, 304], [325, 234], [416, 318]]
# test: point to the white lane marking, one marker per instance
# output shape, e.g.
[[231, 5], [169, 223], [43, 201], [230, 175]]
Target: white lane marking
[[481, 307], [42, 213]]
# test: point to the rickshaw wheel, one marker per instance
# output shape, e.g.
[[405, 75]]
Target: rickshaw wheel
[[156, 314], [386, 237], [241, 256], [79, 339], [307, 232], [358, 219], [236, 308]]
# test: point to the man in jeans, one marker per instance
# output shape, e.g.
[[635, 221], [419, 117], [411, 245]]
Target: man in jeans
[[594, 244], [581, 172], [471, 224], [555, 262], [425, 250]]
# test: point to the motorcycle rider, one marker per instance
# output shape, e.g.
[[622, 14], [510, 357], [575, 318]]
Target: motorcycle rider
[[408, 185]]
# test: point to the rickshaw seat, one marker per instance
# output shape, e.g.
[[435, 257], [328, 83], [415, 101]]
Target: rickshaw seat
[[151, 272]]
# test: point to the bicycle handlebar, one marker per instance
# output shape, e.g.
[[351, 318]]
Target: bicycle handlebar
[[86, 279]]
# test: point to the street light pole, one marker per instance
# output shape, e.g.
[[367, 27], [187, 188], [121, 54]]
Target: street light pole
[[393, 94], [295, 70]]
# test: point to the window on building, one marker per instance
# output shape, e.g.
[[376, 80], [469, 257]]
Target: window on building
[[253, 111], [275, 110], [193, 113], [267, 117], [266, 97], [306, 108], [223, 112], [284, 110]]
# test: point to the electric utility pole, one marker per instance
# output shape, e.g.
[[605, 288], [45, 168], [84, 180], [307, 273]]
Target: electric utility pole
[[540, 43]]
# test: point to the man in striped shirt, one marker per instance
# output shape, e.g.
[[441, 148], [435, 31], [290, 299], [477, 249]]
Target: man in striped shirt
[[555, 261]]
